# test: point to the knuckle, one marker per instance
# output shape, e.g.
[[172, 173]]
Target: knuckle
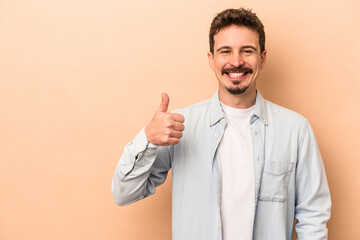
[[166, 139], [168, 117], [167, 131], [167, 124]]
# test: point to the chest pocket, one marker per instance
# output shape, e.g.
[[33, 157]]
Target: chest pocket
[[275, 180]]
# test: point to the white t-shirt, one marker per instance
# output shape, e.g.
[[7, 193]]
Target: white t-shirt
[[237, 171]]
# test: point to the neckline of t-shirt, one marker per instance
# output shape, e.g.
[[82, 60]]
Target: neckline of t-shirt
[[237, 112]]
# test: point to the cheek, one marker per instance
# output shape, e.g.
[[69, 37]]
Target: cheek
[[255, 65], [220, 61], [218, 66]]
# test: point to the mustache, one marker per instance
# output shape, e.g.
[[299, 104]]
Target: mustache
[[236, 69]]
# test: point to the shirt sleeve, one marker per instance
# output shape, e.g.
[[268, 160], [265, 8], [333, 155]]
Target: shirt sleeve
[[142, 167], [313, 203]]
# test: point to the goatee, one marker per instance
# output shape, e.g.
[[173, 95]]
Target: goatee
[[236, 90]]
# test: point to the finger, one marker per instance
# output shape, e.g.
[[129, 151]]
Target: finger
[[176, 134], [178, 126], [164, 103], [173, 141], [178, 117]]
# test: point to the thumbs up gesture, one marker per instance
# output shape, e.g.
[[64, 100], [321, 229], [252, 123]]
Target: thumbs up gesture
[[165, 128]]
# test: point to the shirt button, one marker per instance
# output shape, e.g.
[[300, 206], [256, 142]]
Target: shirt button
[[255, 133], [222, 120], [219, 225], [216, 135]]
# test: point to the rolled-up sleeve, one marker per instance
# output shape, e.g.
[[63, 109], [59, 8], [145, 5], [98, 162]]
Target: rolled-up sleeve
[[142, 167]]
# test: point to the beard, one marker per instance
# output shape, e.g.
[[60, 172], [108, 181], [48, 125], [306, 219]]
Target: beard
[[237, 90]]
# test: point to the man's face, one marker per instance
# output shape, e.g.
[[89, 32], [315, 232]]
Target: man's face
[[236, 60]]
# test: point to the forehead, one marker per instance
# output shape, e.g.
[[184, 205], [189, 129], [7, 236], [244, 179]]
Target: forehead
[[236, 36]]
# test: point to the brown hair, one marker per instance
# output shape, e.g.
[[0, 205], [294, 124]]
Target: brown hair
[[240, 17]]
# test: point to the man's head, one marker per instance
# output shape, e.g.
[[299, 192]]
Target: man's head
[[237, 53], [240, 17]]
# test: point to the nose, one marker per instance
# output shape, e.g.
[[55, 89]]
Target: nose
[[236, 60]]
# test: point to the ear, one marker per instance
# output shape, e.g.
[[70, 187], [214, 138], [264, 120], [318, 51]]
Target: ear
[[263, 59], [211, 60]]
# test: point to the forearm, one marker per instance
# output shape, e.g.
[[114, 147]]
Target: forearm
[[141, 168]]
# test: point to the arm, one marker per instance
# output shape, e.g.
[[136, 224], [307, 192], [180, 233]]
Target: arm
[[142, 167], [313, 203], [147, 159]]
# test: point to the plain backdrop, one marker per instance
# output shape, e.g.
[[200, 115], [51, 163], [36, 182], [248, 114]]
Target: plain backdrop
[[79, 79]]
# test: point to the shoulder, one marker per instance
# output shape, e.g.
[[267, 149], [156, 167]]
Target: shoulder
[[282, 116], [286, 124], [200, 107]]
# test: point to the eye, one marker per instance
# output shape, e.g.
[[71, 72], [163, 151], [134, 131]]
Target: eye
[[247, 51], [224, 52]]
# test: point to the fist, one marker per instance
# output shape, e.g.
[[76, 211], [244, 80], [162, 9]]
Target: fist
[[165, 128]]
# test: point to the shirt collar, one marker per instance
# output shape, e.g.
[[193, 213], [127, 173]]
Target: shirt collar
[[260, 109], [216, 112]]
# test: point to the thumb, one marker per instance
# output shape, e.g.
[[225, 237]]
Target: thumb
[[164, 103]]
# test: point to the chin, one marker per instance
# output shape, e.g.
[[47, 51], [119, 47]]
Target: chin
[[237, 91]]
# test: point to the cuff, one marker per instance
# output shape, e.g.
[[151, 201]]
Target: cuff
[[141, 143]]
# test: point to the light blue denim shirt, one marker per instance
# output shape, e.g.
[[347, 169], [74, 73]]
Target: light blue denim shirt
[[290, 180]]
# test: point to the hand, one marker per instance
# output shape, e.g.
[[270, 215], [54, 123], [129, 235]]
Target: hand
[[165, 128]]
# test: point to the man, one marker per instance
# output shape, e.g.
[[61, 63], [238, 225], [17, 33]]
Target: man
[[243, 168]]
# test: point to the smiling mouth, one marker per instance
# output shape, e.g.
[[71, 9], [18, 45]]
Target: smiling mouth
[[237, 73]]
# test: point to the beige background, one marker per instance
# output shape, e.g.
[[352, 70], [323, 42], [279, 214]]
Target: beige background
[[78, 80]]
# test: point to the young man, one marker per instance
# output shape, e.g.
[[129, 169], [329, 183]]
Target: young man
[[244, 168]]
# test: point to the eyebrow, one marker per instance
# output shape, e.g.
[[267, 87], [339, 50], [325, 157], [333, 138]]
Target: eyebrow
[[227, 47], [221, 48], [249, 46]]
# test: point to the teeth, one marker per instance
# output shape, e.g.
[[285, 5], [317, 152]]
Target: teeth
[[234, 75]]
